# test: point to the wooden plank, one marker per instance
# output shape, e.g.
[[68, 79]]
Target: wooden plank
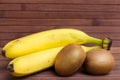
[[89, 29], [39, 77], [77, 78], [106, 22], [4, 63], [13, 35], [10, 7], [64, 1], [71, 7], [60, 15], [115, 55], [35, 22], [9, 77], [1, 57], [114, 36], [59, 22], [3, 42], [1, 14], [23, 29], [115, 50]]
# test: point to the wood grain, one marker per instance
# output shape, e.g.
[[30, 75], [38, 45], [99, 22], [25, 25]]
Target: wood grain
[[14, 35], [71, 7], [91, 29], [35, 22], [64, 1], [60, 15], [1, 14], [10, 7], [60, 22]]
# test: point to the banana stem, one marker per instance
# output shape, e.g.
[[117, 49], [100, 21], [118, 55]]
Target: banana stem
[[95, 40], [86, 49], [105, 43]]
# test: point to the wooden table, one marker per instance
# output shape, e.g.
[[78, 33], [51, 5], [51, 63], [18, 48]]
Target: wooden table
[[50, 74], [98, 18]]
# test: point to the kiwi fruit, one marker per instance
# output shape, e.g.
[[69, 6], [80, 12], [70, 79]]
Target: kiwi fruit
[[69, 59], [99, 62]]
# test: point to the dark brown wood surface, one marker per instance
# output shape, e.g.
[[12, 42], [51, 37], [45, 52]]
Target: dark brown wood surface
[[98, 18]]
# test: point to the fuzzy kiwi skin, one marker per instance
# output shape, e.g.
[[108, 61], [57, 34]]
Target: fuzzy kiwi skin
[[99, 62], [69, 60]]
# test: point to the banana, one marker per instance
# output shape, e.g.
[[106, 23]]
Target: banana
[[46, 40], [37, 61]]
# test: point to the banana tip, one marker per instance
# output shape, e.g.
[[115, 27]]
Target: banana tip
[[3, 53], [10, 68]]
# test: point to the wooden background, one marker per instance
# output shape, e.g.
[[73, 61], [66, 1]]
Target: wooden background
[[98, 18]]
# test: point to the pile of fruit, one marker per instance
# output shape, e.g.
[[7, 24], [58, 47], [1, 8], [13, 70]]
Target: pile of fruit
[[61, 48]]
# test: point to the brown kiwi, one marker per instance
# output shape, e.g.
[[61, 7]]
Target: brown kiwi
[[69, 60], [98, 61]]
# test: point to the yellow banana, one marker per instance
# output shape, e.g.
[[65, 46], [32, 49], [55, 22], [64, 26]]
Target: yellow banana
[[35, 62], [46, 40]]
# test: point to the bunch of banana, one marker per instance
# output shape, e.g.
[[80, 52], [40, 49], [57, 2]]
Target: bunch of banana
[[37, 61], [37, 52], [49, 39]]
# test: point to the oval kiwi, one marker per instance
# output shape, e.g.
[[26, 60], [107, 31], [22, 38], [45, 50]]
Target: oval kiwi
[[98, 61], [69, 59]]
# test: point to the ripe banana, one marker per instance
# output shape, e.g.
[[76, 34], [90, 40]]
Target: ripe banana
[[46, 40], [35, 62]]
